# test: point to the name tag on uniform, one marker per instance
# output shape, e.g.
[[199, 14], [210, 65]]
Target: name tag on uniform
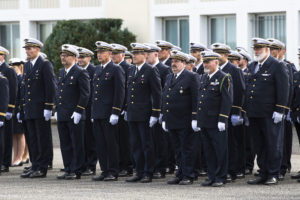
[[215, 83], [266, 74]]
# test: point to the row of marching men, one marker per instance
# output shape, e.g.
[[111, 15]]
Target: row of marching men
[[208, 112]]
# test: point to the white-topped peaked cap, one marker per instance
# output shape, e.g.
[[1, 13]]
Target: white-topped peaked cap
[[84, 52], [103, 46], [32, 42], [153, 47], [164, 44], [138, 47], [3, 51], [220, 48], [178, 55], [118, 48], [234, 55], [260, 42], [210, 55], [197, 46], [70, 50]]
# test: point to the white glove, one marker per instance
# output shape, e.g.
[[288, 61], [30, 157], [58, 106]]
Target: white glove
[[153, 120], [247, 123], [221, 126], [298, 120], [236, 120], [122, 113], [125, 116], [277, 117], [76, 116], [164, 126], [1, 123], [194, 126], [47, 114], [8, 115], [55, 116], [113, 119], [18, 118], [288, 117], [160, 118], [92, 120]]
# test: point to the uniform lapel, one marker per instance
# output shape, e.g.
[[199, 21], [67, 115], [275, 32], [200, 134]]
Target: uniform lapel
[[173, 83], [36, 65]]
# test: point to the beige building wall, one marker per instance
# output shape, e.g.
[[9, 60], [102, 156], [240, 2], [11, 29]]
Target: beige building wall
[[135, 15]]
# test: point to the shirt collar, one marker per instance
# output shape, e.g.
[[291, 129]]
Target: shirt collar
[[106, 64], [164, 62], [34, 61], [2, 62], [178, 74], [222, 66], [120, 62], [140, 66], [261, 63], [156, 63], [67, 70], [197, 67], [86, 66], [211, 75]]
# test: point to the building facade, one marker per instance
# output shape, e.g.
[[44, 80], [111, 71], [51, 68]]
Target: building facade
[[233, 22]]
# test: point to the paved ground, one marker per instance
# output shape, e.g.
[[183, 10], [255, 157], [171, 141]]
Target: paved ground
[[14, 188]]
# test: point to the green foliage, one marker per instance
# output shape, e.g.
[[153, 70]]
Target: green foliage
[[85, 34]]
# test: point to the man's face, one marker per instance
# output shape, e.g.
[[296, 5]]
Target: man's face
[[260, 53], [117, 57], [189, 66], [32, 52], [223, 58], [84, 61], [177, 65], [2, 57], [235, 62], [275, 52], [163, 54], [243, 63], [210, 66], [129, 61], [103, 56], [196, 54], [152, 57], [66, 59], [139, 57]]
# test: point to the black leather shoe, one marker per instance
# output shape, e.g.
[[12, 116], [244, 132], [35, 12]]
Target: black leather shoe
[[202, 173], [217, 184], [298, 180], [186, 181], [228, 178], [125, 173], [26, 161], [174, 181], [17, 164], [158, 175], [207, 182], [62, 169], [133, 179], [146, 179], [98, 178], [296, 176], [26, 174], [256, 174], [271, 181], [27, 168], [72, 176], [248, 172], [280, 177], [256, 181], [38, 174], [88, 172], [61, 176], [240, 176], [4, 168], [170, 170], [110, 178]]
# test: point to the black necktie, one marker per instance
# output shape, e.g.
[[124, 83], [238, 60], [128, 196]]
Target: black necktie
[[174, 78], [136, 71], [64, 73], [30, 66]]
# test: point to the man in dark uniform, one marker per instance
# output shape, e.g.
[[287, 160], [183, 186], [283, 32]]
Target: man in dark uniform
[[4, 93], [266, 101], [128, 57], [247, 166], [108, 98], [214, 105], [165, 52], [125, 155], [72, 97], [276, 47], [164, 57], [160, 139], [84, 61], [40, 87], [11, 76], [179, 116], [195, 50], [235, 119], [142, 112]]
